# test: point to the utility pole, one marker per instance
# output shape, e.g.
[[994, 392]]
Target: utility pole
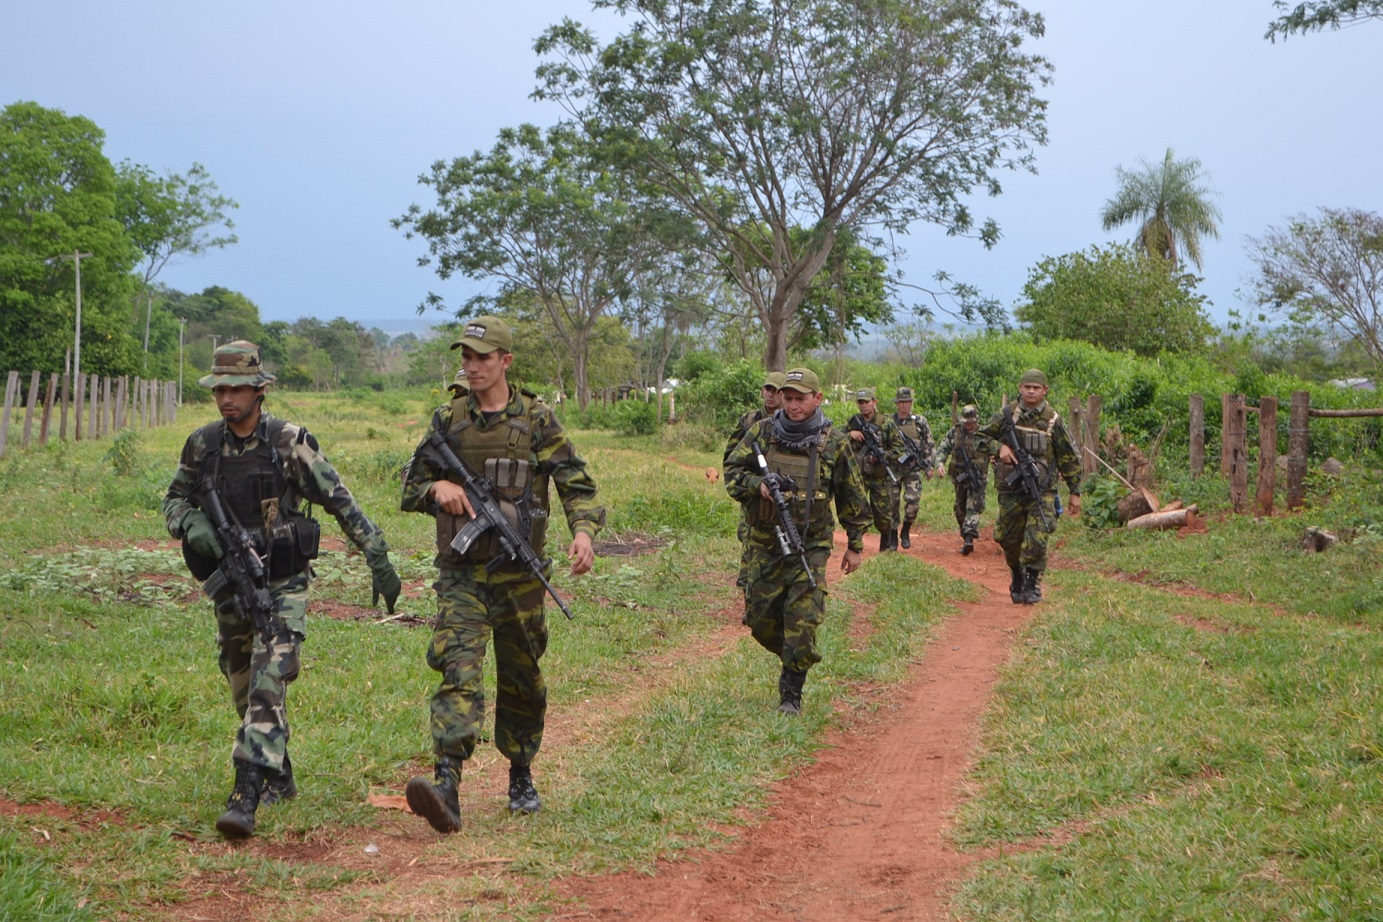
[[182, 329], [77, 257]]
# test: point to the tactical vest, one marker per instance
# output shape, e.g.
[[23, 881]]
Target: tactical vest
[[501, 453], [256, 496], [1034, 433], [963, 442], [798, 466], [911, 424]]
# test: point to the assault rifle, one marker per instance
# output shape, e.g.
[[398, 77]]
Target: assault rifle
[[1026, 469], [874, 447], [242, 568], [969, 473], [914, 458], [488, 515], [789, 539]]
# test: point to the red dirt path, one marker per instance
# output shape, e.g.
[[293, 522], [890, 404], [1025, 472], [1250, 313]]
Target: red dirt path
[[859, 834]]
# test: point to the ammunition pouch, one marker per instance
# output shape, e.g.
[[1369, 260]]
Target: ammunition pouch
[[293, 543]]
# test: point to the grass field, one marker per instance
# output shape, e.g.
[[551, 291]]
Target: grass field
[[1190, 729]]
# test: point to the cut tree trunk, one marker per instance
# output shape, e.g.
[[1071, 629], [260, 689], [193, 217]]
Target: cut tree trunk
[[1157, 521]]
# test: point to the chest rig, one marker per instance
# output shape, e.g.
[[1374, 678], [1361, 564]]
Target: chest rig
[[808, 500], [258, 497], [502, 454], [1034, 432], [910, 424]]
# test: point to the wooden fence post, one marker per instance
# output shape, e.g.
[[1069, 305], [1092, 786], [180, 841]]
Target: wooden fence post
[[1236, 451], [1197, 435], [1076, 428], [30, 407], [66, 402], [78, 404], [1298, 430], [46, 425], [1267, 454], [11, 388], [1224, 435], [1094, 404], [93, 408]]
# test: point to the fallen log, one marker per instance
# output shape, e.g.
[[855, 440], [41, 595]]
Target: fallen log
[[1156, 521]]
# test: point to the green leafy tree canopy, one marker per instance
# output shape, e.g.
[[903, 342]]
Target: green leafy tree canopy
[[1319, 15]]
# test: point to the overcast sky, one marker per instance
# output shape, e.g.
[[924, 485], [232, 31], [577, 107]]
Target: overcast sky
[[318, 118]]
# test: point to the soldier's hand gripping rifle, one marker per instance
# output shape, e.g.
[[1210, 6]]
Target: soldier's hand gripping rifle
[[789, 539], [915, 457], [488, 515], [874, 448], [241, 568], [1025, 470]]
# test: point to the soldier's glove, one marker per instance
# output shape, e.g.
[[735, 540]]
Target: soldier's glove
[[199, 535], [384, 581]]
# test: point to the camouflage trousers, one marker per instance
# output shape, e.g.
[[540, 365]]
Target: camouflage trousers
[[1020, 530], [969, 505], [781, 608], [473, 606], [883, 501], [259, 674], [909, 490]]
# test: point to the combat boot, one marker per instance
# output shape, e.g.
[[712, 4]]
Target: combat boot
[[883, 541], [1015, 585], [904, 538], [436, 801], [238, 822], [967, 546], [523, 796], [1032, 586], [790, 692], [278, 785]]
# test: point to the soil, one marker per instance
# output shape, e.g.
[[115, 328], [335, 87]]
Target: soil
[[862, 832]]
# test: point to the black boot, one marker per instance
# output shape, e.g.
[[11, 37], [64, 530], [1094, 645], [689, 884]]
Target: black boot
[[238, 822], [904, 538], [1032, 586], [1015, 585], [436, 801], [523, 797], [278, 785], [790, 692], [967, 546]]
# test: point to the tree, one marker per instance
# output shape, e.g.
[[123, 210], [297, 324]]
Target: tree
[[1319, 15], [541, 213], [57, 197], [1116, 297], [179, 214], [1173, 210], [1326, 269], [790, 114]]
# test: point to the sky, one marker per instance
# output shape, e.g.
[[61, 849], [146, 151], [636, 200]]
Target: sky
[[318, 118]]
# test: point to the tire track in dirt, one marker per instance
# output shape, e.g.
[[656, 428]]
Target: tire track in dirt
[[860, 833]]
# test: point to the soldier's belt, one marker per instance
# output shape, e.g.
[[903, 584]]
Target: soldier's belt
[[802, 495]]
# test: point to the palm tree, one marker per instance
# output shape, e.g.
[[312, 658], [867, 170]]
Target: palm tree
[[1174, 208]]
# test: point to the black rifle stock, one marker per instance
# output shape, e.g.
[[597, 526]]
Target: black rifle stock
[[241, 568], [874, 447], [1025, 469], [789, 539], [488, 515]]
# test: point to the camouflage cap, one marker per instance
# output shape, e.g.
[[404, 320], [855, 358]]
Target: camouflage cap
[[1033, 376], [904, 393], [864, 393], [236, 363], [775, 379], [485, 335], [969, 411], [803, 380]]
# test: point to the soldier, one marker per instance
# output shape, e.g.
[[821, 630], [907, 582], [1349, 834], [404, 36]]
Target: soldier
[[875, 440], [263, 468], [773, 382], [782, 607], [514, 441], [1024, 523], [970, 455], [916, 461]]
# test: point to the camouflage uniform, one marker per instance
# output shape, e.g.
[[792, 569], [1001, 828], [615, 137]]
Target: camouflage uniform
[[474, 601], [1022, 529], [781, 609], [915, 426], [742, 427], [882, 490], [969, 484]]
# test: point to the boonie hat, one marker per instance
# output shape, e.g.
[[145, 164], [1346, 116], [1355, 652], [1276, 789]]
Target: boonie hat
[[775, 379], [904, 393], [1033, 376], [485, 335], [969, 411], [803, 380], [236, 363], [864, 393]]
